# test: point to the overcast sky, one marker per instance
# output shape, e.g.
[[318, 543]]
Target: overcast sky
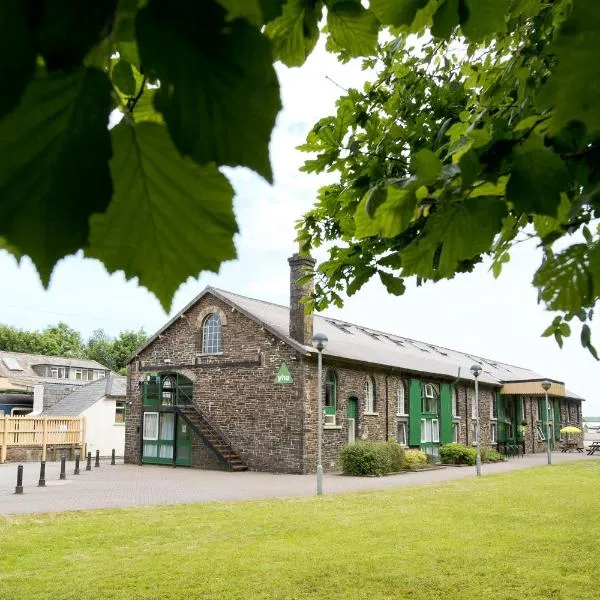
[[492, 318]]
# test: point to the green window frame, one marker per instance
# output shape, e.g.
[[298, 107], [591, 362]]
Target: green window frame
[[330, 397]]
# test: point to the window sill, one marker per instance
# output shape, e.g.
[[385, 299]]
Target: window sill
[[203, 354], [371, 414], [332, 426], [402, 415], [119, 424]]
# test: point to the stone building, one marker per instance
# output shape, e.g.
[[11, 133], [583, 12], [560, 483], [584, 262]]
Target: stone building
[[231, 382]]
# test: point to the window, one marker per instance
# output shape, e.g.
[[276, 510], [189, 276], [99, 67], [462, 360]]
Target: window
[[494, 407], [429, 400], [369, 395], [550, 413], [168, 391], [99, 374], [120, 412], [456, 432], [151, 426], [455, 403], [401, 400], [330, 397], [493, 433], [211, 335], [402, 436], [58, 372], [428, 391], [430, 431], [540, 433], [77, 374]]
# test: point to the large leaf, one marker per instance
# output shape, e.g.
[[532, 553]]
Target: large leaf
[[219, 92], [574, 88], [537, 179], [256, 12], [397, 12], [445, 19], [353, 27], [54, 173], [170, 218], [17, 52], [426, 166], [68, 29], [295, 33], [459, 232], [391, 217], [485, 17]]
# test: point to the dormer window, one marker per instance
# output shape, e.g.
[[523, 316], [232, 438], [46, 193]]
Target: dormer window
[[211, 335]]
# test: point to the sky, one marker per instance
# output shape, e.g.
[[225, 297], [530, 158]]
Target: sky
[[498, 319]]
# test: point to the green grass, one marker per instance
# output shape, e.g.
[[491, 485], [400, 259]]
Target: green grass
[[518, 535]]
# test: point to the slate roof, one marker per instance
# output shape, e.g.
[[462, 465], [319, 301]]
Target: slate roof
[[29, 377], [357, 343], [87, 395]]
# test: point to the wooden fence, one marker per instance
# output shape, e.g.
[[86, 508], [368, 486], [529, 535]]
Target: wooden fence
[[41, 432]]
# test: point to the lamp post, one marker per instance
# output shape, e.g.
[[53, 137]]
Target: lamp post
[[476, 370], [319, 341], [546, 385]]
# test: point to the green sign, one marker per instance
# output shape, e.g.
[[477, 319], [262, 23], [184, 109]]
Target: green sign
[[284, 375]]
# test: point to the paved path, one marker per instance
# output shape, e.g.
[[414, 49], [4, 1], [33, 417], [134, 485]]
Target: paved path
[[131, 485]]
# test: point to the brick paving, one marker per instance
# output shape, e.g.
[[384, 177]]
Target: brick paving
[[131, 485]]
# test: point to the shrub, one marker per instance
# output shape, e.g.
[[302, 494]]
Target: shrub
[[457, 454], [366, 458], [491, 455], [396, 452], [414, 459]]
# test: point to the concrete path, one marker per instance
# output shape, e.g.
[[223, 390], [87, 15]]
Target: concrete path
[[130, 485]]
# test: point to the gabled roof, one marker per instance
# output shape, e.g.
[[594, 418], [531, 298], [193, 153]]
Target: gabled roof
[[357, 343], [18, 367], [87, 395]]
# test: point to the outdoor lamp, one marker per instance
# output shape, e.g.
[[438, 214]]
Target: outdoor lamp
[[476, 370], [319, 341], [546, 385]]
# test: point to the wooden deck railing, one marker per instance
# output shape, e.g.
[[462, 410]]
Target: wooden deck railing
[[42, 432]]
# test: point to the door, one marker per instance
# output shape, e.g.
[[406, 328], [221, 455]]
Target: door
[[430, 436], [158, 437], [352, 419], [183, 454]]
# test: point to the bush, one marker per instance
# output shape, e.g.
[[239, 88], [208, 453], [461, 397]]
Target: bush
[[396, 452], [366, 458], [457, 454], [491, 455], [414, 459]]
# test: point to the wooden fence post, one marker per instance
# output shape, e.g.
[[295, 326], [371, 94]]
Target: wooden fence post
[[4, 441], [44, 437]]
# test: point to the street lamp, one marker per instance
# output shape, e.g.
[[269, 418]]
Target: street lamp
[[546, 385], [476, 370], [319, 341]]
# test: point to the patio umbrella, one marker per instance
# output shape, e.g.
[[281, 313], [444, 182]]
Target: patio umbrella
[[570, 429]]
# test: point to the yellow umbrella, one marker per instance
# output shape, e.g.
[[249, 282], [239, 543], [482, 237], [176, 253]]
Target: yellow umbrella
[[570, 429]]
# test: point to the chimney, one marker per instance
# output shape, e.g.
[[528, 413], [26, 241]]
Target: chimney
[[301, 324]]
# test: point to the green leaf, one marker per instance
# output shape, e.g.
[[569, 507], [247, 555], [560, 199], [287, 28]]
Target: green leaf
[[485, 17], [426, 166], [295, 33], [219, 92], [353, 27], [457, 233], [397, 12], [573, 90], [129, 52], [17, 52], [470, 167], [394, 285], [54, 170], [549, 228], [169, 219], [390, 218], [256, 12], [537, 179], [445, 19], [122, 76], [271, 9], [68, 30], [144, 108]]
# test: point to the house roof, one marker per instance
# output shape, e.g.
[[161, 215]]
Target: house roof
[[18, 367], [87, 395], [353, 342]]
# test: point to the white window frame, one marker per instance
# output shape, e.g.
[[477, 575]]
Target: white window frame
[[401, 401], [156, 416], [369, 393], [428, 390], [77, 374], [423, 432], [541, 436], [330, 420], [212, 334], [430, 431], [435, 426], [455, 403], [493, 416], [402, 439], [456, 432], [98, 374], [493, 432]]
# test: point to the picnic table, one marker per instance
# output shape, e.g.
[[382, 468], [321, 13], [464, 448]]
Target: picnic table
[[593, 447], [571, 446]]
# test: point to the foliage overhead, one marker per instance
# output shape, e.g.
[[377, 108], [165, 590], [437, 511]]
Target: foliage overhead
[[480, 134]]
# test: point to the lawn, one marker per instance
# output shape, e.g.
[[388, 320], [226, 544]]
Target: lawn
[[527, 534]]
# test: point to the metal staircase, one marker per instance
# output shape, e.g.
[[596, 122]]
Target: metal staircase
[[213, 438]]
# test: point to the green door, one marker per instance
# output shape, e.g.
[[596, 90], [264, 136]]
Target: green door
[[158, 437], [352, 419], [183, 454]]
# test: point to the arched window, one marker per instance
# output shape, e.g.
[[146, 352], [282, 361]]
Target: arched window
[[211, 335], [369, 395], [401, 400], [168, 391], [330, 397]]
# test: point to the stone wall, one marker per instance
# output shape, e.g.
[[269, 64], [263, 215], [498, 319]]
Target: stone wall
[[23, 454]]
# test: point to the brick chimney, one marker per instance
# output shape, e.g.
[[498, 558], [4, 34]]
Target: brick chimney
[[301, 324]]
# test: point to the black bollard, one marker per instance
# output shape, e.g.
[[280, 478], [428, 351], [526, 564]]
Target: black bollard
[[88, 467], [42, 481], [63, 464], [97, 458], [76, 471], [19, 488], [112, 457]]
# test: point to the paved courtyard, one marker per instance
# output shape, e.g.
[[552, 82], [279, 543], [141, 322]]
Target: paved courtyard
[[131, 485]]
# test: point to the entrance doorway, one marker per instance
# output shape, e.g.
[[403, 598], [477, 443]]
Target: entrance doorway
[[183, 455], [352, 419]]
